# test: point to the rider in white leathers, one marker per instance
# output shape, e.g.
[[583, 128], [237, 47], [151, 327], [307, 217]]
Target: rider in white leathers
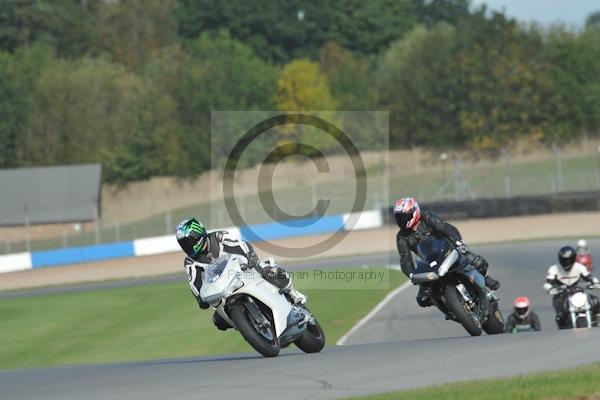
[[202, 247], [568, 273]]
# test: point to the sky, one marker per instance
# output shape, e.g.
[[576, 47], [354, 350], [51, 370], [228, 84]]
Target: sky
[[546, 12]]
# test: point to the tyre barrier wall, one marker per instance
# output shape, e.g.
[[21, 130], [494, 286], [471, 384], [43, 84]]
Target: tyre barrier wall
[[509, 207], [168, 243]]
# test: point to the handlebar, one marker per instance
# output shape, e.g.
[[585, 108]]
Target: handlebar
[[575, 288]]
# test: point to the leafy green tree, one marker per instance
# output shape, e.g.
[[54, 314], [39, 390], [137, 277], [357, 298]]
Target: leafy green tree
[[495, 58], [368, 27], [134, 31], [431, 12], [283, 30], [302, 86], [478, 84], [62, 24], [13, 110], [349, 76], [274, 30], [212, 73], [593, 20], [95, 111], [18, 73], [571, 83], [419, 84]]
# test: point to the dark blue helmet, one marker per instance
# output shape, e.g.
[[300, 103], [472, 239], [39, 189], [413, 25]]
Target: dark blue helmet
[[192, 237]]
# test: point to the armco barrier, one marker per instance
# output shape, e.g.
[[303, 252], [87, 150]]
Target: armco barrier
[[168, 243], [291, 228], [75, 255], [507, 207], [363, 220], [15, 262]]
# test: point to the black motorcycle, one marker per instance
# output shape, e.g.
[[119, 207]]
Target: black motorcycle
[[457, 288]]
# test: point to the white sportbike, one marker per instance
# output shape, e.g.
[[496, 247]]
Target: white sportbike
[[257, 309]]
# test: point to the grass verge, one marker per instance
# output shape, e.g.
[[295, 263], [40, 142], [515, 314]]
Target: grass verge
[[153, 321], [577, 384]]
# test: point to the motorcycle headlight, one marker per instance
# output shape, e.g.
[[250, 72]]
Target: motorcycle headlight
[[578, 300]]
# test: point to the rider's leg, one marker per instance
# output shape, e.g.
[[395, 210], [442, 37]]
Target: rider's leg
[[219, 322], [557, 304], [424, 296], [482, 265], [595, 304], [280, 278], [201, 303]]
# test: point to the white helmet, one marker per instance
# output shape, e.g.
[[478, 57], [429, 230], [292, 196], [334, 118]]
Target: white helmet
[[581, 245]]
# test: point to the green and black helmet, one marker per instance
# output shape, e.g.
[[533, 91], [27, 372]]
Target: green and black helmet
[[192, 237]]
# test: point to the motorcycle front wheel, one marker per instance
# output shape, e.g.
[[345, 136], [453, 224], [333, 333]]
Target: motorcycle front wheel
[[262, 339], [581, 322], [457, 306]]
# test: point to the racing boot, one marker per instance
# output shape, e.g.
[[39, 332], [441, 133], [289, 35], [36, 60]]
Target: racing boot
[[481, 264], [559, 322], [294, 295], [491, 283], [201, 303], [424, 296], [220, 323]]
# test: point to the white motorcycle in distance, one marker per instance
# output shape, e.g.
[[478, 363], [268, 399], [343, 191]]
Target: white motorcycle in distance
[[264, 316], [578, 308]]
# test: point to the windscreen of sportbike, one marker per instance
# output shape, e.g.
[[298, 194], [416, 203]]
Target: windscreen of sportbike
[[214, 270], [433, 249]]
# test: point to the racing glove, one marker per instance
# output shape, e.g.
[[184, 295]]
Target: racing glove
[[460, 246], [253, 260]]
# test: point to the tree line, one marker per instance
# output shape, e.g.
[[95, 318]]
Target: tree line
[[131, 83]]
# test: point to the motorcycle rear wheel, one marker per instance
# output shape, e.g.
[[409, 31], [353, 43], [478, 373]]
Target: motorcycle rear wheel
[[312, 339], [495, 322], [456, 305]]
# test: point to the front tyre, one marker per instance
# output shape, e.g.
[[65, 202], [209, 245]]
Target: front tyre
[[457, 306], [581, 322], [495, 322], [263, 340], [312, 339]]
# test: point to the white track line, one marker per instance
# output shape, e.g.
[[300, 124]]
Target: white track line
[[374, 311]]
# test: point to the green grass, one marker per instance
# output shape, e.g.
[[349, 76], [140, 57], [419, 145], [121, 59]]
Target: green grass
[[576, 383], [147, 322]]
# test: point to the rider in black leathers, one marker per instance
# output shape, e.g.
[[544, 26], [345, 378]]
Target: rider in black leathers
[[523, 318], [416, 225], [532, 320]]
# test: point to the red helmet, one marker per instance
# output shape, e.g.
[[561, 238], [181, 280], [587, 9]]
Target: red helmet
[[407, 213], [522, 307]]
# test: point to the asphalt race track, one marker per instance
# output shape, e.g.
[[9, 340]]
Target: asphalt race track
[[401, 347], [520, 267]]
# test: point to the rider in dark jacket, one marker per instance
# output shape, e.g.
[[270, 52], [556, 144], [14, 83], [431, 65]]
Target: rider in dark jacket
[[415, 226], [523, 319]]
